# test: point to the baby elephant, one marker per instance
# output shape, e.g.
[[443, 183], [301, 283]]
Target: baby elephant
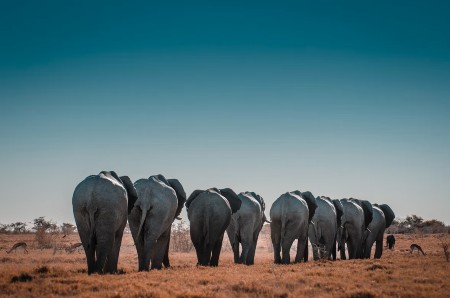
[[390, 241]]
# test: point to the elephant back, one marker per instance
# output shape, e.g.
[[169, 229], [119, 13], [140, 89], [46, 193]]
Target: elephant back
[[389, 215]]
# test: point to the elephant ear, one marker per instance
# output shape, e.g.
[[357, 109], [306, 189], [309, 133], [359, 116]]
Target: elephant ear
[[192, 197], [181, 194], [258, 198], [232, 198], [160, 178], [131, 191], [367, 209], [339, 211], [311, 201], [389, 215]]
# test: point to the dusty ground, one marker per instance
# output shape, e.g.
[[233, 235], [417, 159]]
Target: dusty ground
[[58, 273]]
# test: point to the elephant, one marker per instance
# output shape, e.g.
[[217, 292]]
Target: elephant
[[150, 217], [291, 214], [245, 226], [209, 212], [382, 219], [390, 241], [100, 210], [323, 228], [351, 231]]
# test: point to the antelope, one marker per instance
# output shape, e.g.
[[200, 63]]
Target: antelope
[[18, 245], [416, 246], [73, 247]]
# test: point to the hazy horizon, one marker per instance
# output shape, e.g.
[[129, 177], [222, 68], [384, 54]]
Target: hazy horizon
[[343, 100]]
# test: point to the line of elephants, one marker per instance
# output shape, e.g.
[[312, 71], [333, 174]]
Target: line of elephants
[[103, 203]]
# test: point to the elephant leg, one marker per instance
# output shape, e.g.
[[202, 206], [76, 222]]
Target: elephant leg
[[314, 241], [342, 251], [166, 261], [160, 250], [379, 247], [285, 249], [235, 247], [113, 257], [306, 251], [333, 251], [275, 235], [216, 252], [105, 243], [302, 247], [149, 246], [246, 245], [89, 250], [251, 252]]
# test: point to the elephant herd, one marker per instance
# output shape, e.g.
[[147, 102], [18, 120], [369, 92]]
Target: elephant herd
[[103, 203]]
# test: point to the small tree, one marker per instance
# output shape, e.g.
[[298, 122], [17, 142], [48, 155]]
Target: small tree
[[67, 228], [44, 231], [18, 227], [4, 228]]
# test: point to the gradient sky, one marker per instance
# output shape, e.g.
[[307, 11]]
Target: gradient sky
[[348, 99]]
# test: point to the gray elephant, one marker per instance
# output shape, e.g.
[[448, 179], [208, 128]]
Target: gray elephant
[[323, 229], [100, 210], [368, 216], [351, 231], [382, 219], [209, 212], [159, 202], [245, 226], [290, 216]]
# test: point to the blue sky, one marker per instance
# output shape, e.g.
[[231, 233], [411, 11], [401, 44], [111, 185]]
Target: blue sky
[[340, 99]]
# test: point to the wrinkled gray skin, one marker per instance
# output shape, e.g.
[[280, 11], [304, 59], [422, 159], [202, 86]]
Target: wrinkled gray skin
[[151, 216], [290, 215], [245, 226], [209, 212], [382, 219], [352, 230], [323, 228], [100, 209]]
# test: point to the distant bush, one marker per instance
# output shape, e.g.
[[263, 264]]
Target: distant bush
[[180, 238], [416, 224]]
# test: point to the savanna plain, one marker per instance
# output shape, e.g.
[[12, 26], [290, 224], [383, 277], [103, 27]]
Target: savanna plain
[[54, 273]]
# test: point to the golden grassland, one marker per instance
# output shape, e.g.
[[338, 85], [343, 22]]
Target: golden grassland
[[397, 274]]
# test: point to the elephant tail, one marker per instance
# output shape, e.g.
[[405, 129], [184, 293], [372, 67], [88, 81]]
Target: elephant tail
[[143, 216]]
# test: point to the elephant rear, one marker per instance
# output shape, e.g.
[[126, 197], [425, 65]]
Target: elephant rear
[[100, 211], [209, 214], [289, 215]]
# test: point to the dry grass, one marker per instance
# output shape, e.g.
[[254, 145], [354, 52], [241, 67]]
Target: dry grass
[[398, 273]]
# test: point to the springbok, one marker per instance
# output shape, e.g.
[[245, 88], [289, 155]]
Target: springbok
[[73, 247], [18, 245], [416, 246]]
